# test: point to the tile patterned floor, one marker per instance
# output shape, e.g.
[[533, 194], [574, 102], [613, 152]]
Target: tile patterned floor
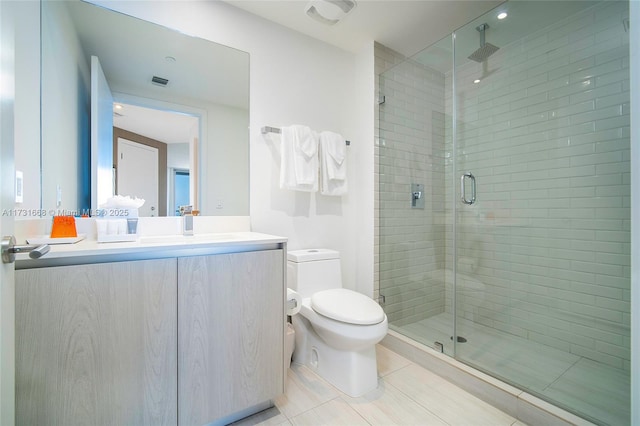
[[590, 387], [407, 394]]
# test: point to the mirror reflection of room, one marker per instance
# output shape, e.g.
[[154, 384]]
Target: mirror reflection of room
[[200, 129], [153, 150]]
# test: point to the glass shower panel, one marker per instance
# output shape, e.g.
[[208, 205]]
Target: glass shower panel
[[542, 253], [412, 160]]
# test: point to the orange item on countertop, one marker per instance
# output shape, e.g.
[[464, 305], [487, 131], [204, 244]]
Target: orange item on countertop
[[63, 227]]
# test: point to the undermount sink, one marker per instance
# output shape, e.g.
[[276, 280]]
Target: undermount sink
[[185, 239]]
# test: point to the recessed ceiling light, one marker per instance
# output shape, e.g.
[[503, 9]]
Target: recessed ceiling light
[[502, 15], [476, 81], [117, 106]]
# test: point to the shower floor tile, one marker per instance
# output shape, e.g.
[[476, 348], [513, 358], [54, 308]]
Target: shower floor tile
[[605, 391], [497, 352], [594, 389]]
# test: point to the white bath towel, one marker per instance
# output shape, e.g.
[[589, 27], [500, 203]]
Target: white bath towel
[[299, 159], [333, 171]]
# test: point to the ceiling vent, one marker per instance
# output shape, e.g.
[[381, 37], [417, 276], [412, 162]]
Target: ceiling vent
[[329, 12], [159, 81]]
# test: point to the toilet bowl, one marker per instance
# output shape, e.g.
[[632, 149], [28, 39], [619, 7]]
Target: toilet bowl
[[336, 329]]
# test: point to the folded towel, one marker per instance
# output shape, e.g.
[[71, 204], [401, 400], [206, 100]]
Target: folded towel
[[299, 159], [333, 152]]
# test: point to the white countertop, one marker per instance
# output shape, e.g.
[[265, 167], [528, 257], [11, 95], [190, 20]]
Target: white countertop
[[150, 247]]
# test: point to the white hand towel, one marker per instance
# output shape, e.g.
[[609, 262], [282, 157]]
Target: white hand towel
[[299, 159], [333, 152]]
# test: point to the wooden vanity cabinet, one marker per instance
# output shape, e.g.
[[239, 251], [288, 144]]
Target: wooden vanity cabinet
[[230, 333], [96, 344], [175, 341]]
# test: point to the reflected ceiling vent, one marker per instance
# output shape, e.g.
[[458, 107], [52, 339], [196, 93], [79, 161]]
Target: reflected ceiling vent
[[329, 12], [159, 81]]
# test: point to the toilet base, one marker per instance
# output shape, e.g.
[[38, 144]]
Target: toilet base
[[352, 372]]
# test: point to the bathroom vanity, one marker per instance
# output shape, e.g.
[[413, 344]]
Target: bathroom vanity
[[167, 331]]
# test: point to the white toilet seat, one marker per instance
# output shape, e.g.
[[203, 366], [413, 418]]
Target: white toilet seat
[[341, 334], [347, 306]]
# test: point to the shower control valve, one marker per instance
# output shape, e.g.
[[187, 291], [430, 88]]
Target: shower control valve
[[417, 199]]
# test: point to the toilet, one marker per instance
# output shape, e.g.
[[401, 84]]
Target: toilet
[[336, 329]]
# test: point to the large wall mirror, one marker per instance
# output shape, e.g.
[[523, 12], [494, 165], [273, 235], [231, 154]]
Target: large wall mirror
[[179, 112]]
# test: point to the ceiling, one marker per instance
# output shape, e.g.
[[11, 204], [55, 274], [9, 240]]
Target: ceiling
[[197, 69], [132, 51], [404, 26], [407, 27], [163, 126]]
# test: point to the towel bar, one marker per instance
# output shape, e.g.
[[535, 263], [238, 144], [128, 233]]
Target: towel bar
[[268, 129]]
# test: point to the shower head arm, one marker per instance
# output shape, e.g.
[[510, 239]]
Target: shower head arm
[[486, 49], [481, 29]]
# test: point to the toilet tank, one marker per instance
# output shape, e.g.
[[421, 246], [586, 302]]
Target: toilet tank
[[313, 270]]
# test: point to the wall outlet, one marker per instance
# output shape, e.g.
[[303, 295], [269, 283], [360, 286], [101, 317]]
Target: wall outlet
[[219, 204], [19, 187]]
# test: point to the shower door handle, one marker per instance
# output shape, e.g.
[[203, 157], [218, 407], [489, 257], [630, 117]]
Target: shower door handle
[[463, 195]]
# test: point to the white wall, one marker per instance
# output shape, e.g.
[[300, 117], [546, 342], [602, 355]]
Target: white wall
[[65, 97], [294, 80], [224, 151], [360, 204], [27, 103], [178, 155]]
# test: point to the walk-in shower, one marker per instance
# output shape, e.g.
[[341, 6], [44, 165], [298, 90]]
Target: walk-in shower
[[516, 261]]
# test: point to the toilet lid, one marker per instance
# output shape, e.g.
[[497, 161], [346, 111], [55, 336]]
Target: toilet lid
[[347, 306]]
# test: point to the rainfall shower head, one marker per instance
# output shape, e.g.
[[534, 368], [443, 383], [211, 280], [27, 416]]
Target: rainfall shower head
[[486, 49]]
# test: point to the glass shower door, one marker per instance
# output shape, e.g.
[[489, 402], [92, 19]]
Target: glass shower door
[[414, 166], [541, 238]]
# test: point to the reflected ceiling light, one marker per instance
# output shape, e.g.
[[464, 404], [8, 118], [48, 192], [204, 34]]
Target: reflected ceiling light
[[476, 81], [329, 12], [502, 15], [118, 111]]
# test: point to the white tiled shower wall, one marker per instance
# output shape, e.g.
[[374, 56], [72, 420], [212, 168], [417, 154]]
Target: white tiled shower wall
[[547, 136], [410, 147]]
